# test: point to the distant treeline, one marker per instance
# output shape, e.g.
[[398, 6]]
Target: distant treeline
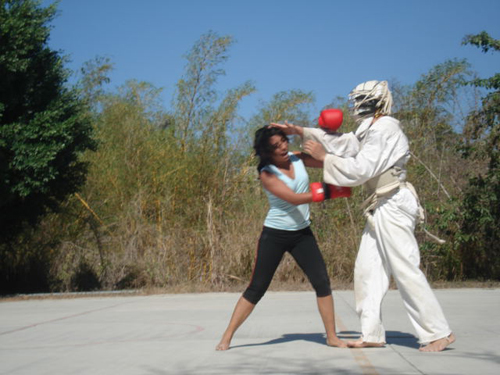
[[171, 196]]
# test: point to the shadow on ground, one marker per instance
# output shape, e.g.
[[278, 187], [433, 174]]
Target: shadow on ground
[[393, 338]]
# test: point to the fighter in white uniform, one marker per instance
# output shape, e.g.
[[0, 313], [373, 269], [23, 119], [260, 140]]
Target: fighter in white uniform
[[388, 245]]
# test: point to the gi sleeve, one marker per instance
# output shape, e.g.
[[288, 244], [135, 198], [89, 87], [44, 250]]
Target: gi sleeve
[[340, 144], [383, 146]]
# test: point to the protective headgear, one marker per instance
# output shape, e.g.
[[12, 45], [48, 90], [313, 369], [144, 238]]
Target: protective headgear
[[371, 98]]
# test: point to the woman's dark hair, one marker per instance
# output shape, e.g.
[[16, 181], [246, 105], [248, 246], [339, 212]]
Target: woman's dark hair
[[262, 146]]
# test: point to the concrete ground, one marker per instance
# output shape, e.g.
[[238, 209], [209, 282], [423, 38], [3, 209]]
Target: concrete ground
[[177, 334]]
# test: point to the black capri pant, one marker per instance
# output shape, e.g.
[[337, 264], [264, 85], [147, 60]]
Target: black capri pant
[[302, 245]]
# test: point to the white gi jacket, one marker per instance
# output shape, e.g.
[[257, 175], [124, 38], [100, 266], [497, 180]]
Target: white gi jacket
[[383, 145], [340, 144]]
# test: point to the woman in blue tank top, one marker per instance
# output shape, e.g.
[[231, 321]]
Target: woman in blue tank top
[[286, 229]]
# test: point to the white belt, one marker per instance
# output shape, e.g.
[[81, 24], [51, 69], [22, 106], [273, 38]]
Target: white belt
[[384, 186]]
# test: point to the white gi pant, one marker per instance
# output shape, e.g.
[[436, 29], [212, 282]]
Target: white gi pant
[[389, 248]]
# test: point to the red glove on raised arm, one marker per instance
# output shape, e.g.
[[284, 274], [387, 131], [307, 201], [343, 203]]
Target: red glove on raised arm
[[330, 119], [322, 191]]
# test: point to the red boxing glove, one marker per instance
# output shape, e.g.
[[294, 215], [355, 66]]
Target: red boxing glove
[[333, 191], [318, 191], [330, 119], [322, 191]]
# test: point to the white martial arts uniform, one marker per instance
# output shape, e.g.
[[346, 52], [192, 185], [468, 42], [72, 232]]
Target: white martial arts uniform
[[388, 245], [341, 144]]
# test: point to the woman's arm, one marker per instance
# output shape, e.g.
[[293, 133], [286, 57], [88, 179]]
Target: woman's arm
[[278, 188], [308, 160]]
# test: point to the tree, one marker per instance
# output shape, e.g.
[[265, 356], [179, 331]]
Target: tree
[[44, 127], [428, 111], [480, 238], [94, 75], [195, 93]]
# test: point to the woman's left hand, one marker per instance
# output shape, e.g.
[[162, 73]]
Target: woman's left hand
[[315, 149]]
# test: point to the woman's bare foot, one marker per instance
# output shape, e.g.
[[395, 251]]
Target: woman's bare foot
[[224, 342], [364, 344], [241, 311], [223, 345], [439, 345], [336, 342]]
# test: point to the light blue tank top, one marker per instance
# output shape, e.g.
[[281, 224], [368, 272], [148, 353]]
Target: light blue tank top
[[283, 215]]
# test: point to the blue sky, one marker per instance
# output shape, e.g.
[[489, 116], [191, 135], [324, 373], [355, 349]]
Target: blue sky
[[321, 46]]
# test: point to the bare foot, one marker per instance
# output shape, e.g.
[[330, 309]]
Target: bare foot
[[439, 345], [336, 342], [223, 345], [364, 344]]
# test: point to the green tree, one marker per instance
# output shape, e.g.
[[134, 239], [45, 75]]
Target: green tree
[[161, 189], [204, 120], [94, 75], [429, 111], [195, 92], [43, 126], [480, 238]]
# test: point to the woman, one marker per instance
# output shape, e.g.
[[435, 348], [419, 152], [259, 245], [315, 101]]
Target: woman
[[286, 228]]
